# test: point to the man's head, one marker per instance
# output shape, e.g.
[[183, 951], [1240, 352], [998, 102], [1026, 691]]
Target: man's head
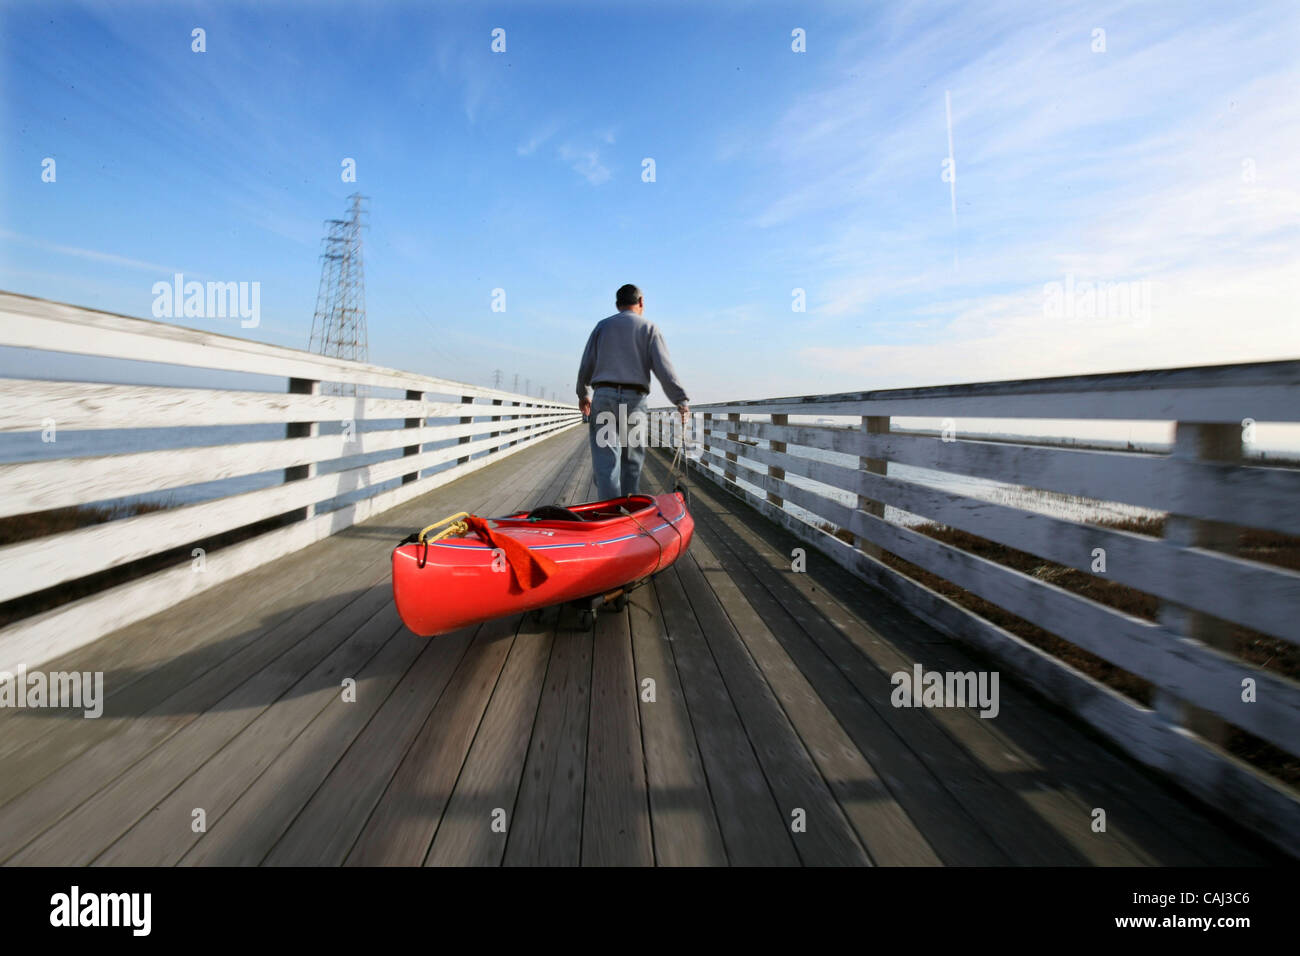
[[628, 299]]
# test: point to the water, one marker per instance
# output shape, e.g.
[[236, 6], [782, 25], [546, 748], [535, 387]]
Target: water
[[1050, 503]]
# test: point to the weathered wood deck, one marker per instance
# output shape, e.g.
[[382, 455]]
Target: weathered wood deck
[[772, 696]]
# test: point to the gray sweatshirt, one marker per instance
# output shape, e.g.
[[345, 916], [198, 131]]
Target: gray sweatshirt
[[625, 348]]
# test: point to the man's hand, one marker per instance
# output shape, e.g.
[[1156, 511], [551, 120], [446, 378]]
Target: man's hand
[[584, 406], [685, 410]]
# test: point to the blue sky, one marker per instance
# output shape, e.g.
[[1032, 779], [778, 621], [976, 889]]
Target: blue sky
[[1170, 158]]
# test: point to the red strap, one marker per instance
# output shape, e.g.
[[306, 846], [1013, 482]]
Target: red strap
[[530, 568]]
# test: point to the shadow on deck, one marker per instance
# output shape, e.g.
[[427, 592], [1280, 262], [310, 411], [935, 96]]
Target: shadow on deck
[[770, 738]]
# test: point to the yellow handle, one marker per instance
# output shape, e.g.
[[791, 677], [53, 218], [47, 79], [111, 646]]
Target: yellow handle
[[460, 527]]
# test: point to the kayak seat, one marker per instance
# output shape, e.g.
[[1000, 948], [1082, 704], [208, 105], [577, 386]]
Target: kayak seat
[[553, 513]]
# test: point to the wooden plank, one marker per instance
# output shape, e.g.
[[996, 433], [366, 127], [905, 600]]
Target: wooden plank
[[38, 639], [1143, 814], [616, 814], [489, 782], [1192, 671], [547, 822], [1223, 782], [1250, 495], [1150, 818], [44, 562], [402, 825], [155, 653], [27, 322], [76, 838], [1264, 391], [684, 826], [40, 485], [980, 802], [329, 825], [1209, 677], [138, 735], [165, 833], [244, 834], [792, 774], [871, 425], [25, 404], [265, 811], [580, 479], [1217, 443], [1208, 581], [755, 828], [896, 803], [37, 776], [330, 822], [553, 491]]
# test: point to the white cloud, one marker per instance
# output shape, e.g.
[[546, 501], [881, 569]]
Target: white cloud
[[1199, 317], [537, 139], [585, 162], [95, 255]]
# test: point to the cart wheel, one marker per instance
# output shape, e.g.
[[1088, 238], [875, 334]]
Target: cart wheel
[[587, 620], [619, 603]]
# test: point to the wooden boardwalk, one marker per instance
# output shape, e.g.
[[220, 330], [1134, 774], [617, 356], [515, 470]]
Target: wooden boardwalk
[[529, 741]]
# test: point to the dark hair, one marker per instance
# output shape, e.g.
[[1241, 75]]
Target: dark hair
[[627, 295]]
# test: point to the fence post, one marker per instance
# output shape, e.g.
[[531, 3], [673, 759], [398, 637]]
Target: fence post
[[774, 470], [704, 437], [495, 418], [732, 436], [410, 450], [872, 425], [302, 386], [464, 420], [1198, 442], [521, 420]]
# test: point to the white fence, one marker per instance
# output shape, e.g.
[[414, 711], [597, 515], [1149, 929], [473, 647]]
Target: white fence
[[1207, 491], [489, 421]]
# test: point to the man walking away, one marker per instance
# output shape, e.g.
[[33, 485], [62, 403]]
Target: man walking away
[[620, 355]]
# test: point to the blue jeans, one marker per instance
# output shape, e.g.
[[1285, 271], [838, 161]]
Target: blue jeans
[[617, 442]]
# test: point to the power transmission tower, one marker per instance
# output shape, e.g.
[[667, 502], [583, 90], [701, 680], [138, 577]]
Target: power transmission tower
[[496, 378], [338, 327], [516, 383]]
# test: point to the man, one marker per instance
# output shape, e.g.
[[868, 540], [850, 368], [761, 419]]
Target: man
[[621, 353]]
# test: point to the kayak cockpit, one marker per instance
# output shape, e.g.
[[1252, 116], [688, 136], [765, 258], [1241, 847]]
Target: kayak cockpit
[[591, 513]]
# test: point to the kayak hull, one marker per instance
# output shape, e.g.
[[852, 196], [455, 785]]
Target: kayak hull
[[460, 581]]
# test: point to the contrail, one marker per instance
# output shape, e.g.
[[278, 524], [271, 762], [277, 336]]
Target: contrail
[[952, 165]]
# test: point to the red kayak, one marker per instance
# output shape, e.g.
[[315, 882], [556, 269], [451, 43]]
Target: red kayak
[[535, 559]]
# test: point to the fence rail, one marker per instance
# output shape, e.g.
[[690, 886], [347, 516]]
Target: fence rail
[[310, 469], [1205, 489]]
